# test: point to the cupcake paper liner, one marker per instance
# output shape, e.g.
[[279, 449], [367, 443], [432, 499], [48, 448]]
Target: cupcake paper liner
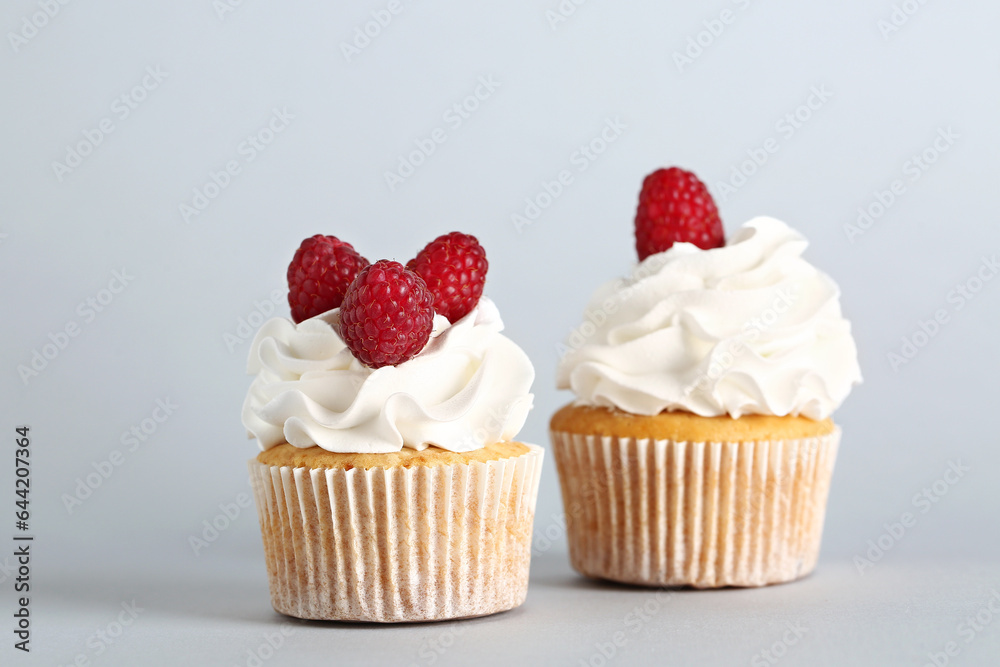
[[702, 514], [398, 544]]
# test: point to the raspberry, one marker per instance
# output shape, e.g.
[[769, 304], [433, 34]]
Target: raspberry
[[387, 314], [454, 267], [674, 206], [320, 272]]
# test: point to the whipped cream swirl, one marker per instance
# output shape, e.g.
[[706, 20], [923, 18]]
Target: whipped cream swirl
[[468, 388], [748, 328]]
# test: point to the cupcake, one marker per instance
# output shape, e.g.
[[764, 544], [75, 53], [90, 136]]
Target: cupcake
[[700, 447], [389, 484]]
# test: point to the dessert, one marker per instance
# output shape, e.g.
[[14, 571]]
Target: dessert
[[700, 446], [389, 485]]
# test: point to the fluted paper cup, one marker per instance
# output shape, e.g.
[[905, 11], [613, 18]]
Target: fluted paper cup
[[702, 514], [398, 544]]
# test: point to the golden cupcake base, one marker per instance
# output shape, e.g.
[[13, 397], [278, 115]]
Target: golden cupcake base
[[414, 541], [679, 512]]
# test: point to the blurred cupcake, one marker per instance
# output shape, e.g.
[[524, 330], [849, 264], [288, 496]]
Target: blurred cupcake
[[700, 447], [389, 485]]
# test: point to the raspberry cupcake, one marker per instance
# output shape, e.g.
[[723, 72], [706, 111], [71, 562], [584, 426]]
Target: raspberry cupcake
[[700, 447], [390, 486]]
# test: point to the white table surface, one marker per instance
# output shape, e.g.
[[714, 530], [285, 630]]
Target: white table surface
[[894, 614]]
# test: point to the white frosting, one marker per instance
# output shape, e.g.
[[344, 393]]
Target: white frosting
[[747, 328], [468, 388]]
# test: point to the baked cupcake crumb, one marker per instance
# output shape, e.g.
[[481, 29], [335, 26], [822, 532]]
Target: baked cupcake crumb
[[317, 457], [685, 426]]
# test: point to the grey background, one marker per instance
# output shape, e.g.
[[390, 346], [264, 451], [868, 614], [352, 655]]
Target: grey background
[[164, 336]]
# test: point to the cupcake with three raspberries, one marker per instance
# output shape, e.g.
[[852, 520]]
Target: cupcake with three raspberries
[[389, 485], [700, 447]]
